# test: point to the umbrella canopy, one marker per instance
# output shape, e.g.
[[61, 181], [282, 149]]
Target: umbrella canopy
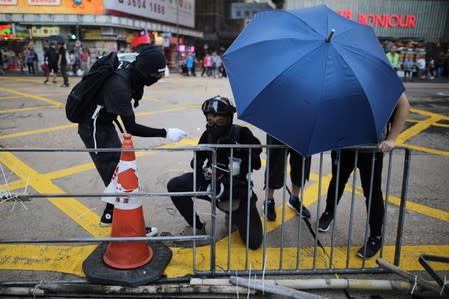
[[312, 79]]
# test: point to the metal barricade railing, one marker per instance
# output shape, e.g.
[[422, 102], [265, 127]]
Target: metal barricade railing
[[307, 258]]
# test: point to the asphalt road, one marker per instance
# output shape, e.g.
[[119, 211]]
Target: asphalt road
[[32, 116]]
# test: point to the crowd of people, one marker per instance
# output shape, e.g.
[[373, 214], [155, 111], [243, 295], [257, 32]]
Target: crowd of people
[[414, 61]]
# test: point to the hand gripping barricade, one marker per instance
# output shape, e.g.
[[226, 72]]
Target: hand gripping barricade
[[130, 263]]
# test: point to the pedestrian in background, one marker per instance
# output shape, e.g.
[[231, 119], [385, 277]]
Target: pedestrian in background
[[62, 64], [51, 58]]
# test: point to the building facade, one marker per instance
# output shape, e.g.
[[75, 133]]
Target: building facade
[[99, 25]]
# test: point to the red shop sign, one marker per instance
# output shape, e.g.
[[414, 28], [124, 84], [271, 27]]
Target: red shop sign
[[382, 20]]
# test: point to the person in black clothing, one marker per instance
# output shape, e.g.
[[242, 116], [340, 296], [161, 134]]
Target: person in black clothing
[[62, 64], [275, 177], [114, 99], [346, 158], [220, 130], [51, 59]]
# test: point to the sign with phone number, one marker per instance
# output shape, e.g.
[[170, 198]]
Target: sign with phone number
[[170, 11]]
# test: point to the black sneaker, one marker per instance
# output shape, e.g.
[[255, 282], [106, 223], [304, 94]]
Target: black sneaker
[[46, 81], [296, 205], [271, 209], [325, 221], [372, 247], [106, 218]]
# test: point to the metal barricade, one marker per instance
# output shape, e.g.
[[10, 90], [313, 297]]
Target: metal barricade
[[290, 246]]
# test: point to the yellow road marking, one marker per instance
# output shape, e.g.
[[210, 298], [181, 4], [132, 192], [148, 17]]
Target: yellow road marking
[[38, 131], [71, 125], [28, 95], [26, 109], [42, 184], [426, 149], [69, 259], [10, 97], [411, 206]]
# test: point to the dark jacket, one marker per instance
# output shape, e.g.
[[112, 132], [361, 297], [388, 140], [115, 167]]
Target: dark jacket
[[237, 135], [116, 96]]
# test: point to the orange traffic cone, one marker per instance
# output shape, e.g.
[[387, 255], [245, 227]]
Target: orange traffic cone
[[128, 218]]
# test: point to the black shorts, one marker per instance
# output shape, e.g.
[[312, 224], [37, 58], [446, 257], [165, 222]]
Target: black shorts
[[277, 166]]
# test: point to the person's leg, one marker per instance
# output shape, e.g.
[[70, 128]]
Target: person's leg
[[274, 175], [298, 180], [64, 75], [377, 204], [241, 217], [377, 210], [346, 160], [184, 204], [105, 162]]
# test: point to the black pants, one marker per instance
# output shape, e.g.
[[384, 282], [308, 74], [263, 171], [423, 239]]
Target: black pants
[[106, 137], [64, 74], [277, 166], [364, 161], [184, 204]]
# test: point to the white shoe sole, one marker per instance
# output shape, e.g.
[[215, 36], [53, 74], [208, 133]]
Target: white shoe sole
[[153, 231], [326, 229]]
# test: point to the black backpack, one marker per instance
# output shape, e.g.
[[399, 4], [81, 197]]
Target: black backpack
[[82, 99]]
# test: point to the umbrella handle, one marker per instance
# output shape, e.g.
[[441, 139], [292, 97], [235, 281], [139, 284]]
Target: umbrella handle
[[329, 37]]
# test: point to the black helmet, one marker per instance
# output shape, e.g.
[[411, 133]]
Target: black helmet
[[218, 105]]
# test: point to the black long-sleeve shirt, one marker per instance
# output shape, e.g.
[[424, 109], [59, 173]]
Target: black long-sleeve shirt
[[116, 96]]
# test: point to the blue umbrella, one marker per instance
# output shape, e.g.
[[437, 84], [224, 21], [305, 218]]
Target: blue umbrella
[[313, 79]]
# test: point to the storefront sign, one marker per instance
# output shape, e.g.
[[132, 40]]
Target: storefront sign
[[381, 20], [44, 2], [180, 12], [44, 31], [52, 6], [8, 2], [6, 31]]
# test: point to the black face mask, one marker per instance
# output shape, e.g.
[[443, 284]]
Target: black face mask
[[217, 131]]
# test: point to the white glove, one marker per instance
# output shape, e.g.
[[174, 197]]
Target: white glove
[[175, 134]]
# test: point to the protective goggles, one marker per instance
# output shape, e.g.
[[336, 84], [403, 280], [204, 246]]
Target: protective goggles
[[217, 106], [218, 122]]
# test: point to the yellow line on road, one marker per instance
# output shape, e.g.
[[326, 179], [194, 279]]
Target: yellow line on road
[[28, 95], [426, 149], [69, 259], [9, 97], [70, 206], [417, 128], [411, 206], [38, 131], [70, 125], [26, 109]]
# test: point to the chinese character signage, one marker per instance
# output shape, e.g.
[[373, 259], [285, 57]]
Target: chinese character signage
[[52, 6], [44, 2], [180, 12]]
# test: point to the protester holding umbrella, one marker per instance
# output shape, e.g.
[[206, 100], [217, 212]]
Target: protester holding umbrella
[[275, 176], [346, 158]]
